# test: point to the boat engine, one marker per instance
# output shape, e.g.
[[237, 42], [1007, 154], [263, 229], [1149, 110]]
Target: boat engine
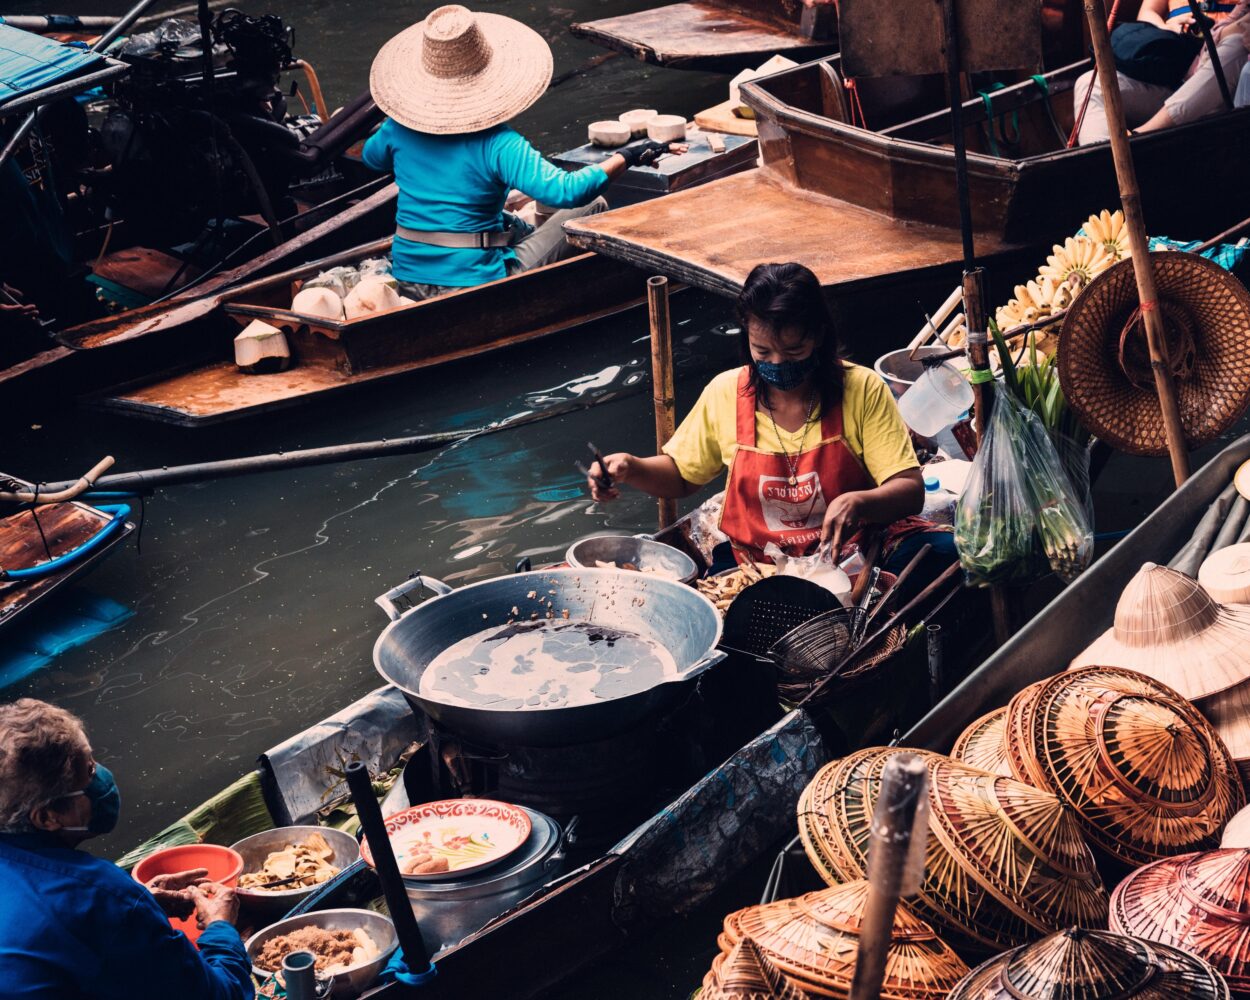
[[184, 150]]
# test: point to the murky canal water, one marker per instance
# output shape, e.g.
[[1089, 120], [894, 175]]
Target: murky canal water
[[248, 614]]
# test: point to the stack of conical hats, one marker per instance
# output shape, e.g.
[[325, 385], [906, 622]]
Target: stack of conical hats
[[1092, 965], [983, 744], [1199, 903], [746, 974], [1146, 774], [1169, 628], [814, 941], [1004, 862]]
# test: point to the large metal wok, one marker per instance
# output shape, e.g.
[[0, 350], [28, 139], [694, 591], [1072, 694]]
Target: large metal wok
[[676, 616]]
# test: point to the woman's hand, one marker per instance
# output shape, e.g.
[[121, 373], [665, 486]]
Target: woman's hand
[[1180, 24], [842, 519], [173, 892], [214, 901], [618, 470]]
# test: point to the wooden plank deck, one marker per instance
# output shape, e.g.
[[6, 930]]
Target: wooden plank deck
[[713, 235]]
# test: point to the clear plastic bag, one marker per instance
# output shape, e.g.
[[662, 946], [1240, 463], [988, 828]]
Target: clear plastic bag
[[376, 269], [1019, 513], [172, 33], [340, 280]]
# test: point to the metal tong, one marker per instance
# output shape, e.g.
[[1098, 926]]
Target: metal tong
[[603, 479]]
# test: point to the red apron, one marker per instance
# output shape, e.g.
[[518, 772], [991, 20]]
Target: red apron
[[761, 505]]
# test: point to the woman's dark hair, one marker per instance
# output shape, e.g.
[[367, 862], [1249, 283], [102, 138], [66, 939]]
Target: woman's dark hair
[[789, 295]]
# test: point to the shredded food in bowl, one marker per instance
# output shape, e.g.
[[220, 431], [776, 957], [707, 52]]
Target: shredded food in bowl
[[336, 951]]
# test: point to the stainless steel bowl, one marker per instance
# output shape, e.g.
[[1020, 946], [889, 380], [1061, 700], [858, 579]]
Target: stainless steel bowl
[[354, 981], [272, 903], [645, 553]]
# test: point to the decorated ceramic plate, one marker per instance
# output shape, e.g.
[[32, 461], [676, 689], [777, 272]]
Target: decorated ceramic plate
[[453, 837]]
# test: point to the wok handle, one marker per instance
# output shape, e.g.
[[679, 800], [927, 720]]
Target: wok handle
[[415, 582], [699, 666]]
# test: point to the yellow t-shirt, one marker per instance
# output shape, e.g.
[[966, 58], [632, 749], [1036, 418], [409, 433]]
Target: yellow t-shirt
[[705, 442]]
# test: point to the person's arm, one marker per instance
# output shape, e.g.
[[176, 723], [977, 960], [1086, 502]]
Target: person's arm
[[896, 498], [376, 154], [657, 475], [1156, 12]]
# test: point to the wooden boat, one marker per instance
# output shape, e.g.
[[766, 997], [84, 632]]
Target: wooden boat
[[336, 356], [61, 529], [860, 204], [731, 35]]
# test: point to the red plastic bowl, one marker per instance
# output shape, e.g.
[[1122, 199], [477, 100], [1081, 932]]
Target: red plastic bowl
[[224, 866]]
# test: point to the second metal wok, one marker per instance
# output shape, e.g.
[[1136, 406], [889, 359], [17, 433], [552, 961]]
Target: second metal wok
[[678, 617]]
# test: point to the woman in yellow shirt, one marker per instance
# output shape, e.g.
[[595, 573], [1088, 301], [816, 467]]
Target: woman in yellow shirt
[[814, 446]]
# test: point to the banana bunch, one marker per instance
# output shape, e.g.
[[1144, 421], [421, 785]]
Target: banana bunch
[[1033, 301], [1109, 231], [1077, 262]]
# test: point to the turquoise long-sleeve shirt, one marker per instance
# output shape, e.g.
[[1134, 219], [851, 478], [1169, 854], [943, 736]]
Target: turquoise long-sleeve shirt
[[458, 184]]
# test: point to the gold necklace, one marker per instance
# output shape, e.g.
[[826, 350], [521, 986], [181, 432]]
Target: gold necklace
[[793, 463]]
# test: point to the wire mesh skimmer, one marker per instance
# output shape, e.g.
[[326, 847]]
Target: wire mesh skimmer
[[772, 608]]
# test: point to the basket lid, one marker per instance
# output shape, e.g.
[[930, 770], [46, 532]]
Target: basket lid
[[1020, 843], [816, 945], [1199, 903], [983, 744], [1147, 775], [1104, 366], [1078, 964], [1169, 628], [747, 974]]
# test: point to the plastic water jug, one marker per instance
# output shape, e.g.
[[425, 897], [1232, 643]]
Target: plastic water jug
[[939, 398], [939, 504]]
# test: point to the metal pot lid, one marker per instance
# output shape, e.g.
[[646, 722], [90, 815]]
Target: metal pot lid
[[516, 869]]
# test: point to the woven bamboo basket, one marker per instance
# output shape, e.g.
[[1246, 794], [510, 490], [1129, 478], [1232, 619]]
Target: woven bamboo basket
[[983, 744], [1147, 775], [747, 974], [1104, 367], [817, 944], [1078, 964], [1199, 903], [990, 881]]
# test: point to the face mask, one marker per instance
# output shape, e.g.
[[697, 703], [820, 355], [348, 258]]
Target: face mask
[[788, 374], [106, 803]]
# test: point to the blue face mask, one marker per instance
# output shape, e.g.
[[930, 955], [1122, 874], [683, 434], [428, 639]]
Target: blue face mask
[[106, 804], [788, 374]]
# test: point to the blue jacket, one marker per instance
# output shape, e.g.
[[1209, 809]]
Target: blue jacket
[[458, 184], [72, 925]]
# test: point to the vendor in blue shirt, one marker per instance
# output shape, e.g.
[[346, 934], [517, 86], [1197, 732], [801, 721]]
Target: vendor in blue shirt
[[76, 926], [448, 85]]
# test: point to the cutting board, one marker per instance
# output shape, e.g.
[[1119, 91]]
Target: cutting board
[[722, 119]]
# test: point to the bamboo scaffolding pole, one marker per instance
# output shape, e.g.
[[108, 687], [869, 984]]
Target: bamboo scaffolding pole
[[663, 393], [1130, 198]]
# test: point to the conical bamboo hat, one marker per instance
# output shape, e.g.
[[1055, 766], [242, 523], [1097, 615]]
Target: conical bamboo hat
[[1167, 627], [1199, 903], [1229, 713], [1225, 574], [1020, 843], [1078, 964], [1147, 775], [1018, 729], [983, 744], [747, 974], [816, 946], [989, 882], [1237, 833]]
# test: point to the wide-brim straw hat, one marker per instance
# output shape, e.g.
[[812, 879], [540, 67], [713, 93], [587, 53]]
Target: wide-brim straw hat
[[1147, 776], [460, 71], [1225, 574], [1078, 964], [1199, 903], [747, 974], [1104, 365], [983, 744], [1167, 627], [815, 940]]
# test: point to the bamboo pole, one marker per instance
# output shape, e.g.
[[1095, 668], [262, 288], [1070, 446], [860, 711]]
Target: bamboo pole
[[1130, 198], [663, 393], [904, 789]]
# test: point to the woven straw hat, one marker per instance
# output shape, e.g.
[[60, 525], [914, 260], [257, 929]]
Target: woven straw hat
[[1167, 627], [1225, 574], [1229, 713], [1004, 861], [747, 974], [460, 71], [815, 943], [983, 744], [1104, 366], [1147, 775], [1078, 964], [1237, 833], [1199, 903]]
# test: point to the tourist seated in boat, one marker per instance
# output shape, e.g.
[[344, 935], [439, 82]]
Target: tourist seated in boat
[[1164, 70], [73, 925], [448, 86], [814, 446]]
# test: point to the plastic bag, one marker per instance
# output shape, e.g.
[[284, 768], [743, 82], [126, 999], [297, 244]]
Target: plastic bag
[[1019, 513], [172, 33], [376, 269], [818, 568], [340, 280]]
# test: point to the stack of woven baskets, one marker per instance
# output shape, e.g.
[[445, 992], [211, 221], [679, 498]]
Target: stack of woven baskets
[[1005, 862], [814, 942], [1144, 774]]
